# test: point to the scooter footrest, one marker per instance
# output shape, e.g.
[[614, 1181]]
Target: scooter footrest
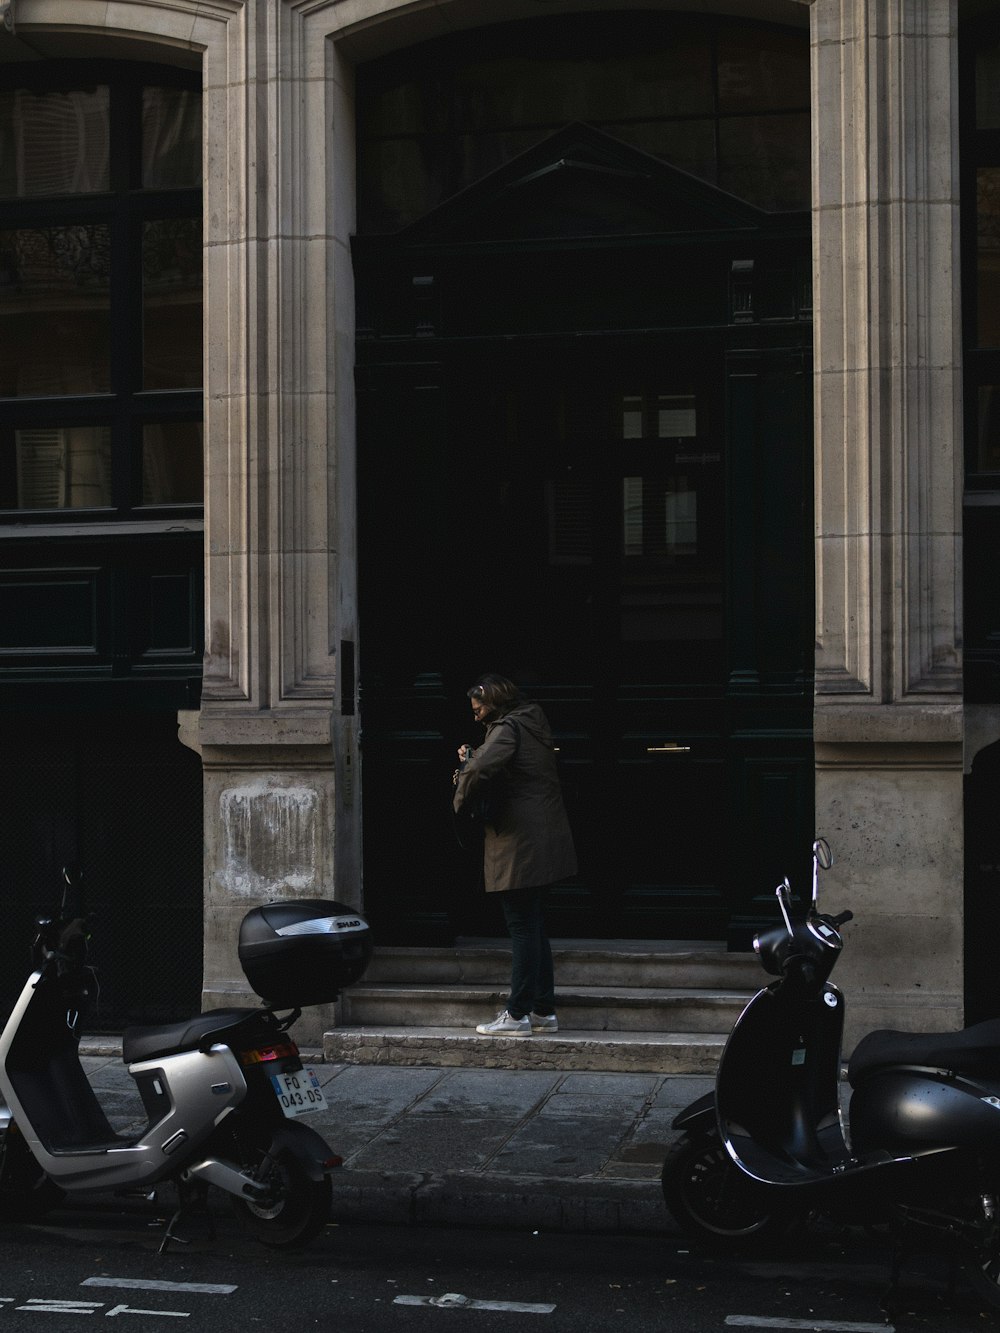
[[781, 1168], [94, 1147]]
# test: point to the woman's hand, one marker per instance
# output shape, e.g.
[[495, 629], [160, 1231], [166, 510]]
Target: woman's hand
[[465, 753]]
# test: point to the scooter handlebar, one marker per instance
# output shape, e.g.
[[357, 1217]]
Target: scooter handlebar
[[841, 919]]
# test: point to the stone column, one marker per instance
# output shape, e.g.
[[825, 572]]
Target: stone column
[[888, 708], [277, 725]]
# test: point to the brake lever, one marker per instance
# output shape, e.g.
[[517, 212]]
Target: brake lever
[[783, 893]]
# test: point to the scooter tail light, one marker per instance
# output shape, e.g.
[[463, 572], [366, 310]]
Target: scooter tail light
[[265, 1054], [330, 1162]]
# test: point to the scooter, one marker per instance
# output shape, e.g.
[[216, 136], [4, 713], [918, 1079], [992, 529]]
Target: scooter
[[771, 1146], [222, 1092]]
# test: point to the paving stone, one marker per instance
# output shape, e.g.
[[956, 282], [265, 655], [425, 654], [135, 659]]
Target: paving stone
[[435, 1144]]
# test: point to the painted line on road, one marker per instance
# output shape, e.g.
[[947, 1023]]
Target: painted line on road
[[454, 1300], [814, 1325], [39, 1305], [151, 1284], [170, 1314]]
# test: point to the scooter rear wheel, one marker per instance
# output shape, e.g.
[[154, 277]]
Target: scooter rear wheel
[[714, 1203], [297, 1209]]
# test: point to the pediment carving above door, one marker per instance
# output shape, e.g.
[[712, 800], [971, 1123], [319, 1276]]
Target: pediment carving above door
[[582, 233], [582, 183]]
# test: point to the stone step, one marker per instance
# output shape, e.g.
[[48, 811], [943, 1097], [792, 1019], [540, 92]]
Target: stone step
[[581, 1008], [687, 964], [652, 1005], [441, 1047]]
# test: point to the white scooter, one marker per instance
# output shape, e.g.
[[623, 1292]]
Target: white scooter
[[222, 1092]]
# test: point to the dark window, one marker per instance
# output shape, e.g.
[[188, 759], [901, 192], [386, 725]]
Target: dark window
[[100, 291], [980, 166], [981, 253], [724, 100]]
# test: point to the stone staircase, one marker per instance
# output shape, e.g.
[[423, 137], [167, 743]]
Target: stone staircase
[[624, 1005]]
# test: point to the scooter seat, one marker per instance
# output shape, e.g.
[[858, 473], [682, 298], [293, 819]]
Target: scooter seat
[[147, 1043], [974, 1050]]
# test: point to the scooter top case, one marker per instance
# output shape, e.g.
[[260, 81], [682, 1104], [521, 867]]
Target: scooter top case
[[917, 1092], [303, 951]]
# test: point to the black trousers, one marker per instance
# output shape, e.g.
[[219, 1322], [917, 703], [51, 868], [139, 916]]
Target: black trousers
[[532, 983]]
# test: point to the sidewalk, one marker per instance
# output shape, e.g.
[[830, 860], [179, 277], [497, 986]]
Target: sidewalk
[[532, 1149]]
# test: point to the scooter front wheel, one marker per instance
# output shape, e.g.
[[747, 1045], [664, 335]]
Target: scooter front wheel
[[26, 1193], [295, 1208], [714, 1203]]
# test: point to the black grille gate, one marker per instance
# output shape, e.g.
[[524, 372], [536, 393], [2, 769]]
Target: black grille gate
[[119, 794]]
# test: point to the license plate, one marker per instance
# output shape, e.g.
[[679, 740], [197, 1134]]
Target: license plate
[[299, 1093]]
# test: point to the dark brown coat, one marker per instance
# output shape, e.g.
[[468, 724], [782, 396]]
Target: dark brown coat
[[530, 843]]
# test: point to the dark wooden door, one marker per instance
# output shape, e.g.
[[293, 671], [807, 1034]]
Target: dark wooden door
[[624, 530], [584, 454]]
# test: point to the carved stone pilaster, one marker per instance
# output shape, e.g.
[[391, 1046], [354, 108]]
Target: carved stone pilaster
[[888, 716], [888, 352]]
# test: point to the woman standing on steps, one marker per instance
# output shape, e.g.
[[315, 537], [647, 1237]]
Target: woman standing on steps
[[528, 844]]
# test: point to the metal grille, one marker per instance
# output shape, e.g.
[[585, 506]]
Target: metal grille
[[121, 796]]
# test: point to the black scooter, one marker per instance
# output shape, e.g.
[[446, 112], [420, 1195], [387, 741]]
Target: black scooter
[[771, 1146]]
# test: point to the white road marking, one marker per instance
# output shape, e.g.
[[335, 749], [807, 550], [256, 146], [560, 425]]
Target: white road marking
[[813, 1325], [172, 1314], [39, 1306], [454, 1300], [152, 1284]]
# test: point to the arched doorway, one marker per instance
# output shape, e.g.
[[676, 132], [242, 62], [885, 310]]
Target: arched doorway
[[584, 459]]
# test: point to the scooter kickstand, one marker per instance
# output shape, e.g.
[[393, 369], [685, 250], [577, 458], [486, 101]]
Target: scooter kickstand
[[887, 1302], [192, 1202]]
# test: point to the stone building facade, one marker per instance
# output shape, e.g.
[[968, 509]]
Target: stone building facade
[[277, 725]]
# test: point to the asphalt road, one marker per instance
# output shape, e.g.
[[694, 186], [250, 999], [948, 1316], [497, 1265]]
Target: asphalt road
[[85, 1267]]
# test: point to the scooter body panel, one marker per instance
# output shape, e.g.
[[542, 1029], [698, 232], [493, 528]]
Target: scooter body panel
[[202, 1088], [781, 1119], [698, 1118], [46, 1091], [778, 1088], [912, 1110]]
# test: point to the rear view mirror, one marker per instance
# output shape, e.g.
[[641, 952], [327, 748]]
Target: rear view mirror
[[822, 853]]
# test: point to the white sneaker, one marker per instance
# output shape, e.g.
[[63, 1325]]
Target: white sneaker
[[543, 1022], [505, 1026]]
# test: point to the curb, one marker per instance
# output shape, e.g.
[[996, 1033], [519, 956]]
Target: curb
[[528, 1203]]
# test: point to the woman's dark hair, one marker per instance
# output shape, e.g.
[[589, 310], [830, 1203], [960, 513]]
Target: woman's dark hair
[[497, 692]]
